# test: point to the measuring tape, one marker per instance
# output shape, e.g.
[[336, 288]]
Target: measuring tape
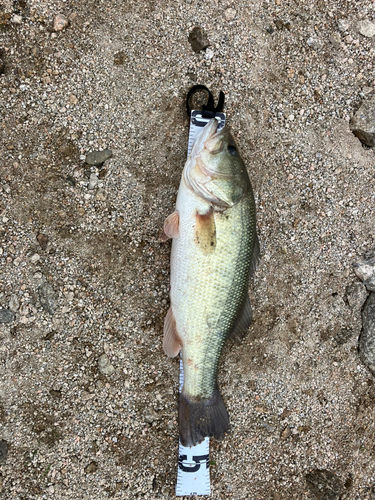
[[193, 473]]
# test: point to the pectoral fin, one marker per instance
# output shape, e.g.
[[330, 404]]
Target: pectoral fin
[[172, 342], [171, 226], [205, 231]]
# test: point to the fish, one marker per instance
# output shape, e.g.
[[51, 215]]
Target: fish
[[215, 250]]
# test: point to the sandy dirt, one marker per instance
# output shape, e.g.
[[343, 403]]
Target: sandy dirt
[[75, 424]]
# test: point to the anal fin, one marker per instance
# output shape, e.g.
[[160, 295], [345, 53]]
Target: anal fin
[[172, 342]]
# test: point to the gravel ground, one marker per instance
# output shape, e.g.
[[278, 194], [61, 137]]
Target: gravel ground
[[88, 400]]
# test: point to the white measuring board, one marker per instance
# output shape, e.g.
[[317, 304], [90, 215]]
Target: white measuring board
[[193, 473]]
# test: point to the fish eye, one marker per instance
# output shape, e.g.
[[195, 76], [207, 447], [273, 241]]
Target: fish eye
[[232, 150]]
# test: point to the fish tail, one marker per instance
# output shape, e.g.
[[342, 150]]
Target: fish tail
[[202, 417]]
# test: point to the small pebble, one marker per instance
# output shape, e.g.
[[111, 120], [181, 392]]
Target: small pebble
[[365, 270], [42, 240], [343, 24], [3, 450], [92, 467], [356, 295], [16, 19], [14, 303], [230, 14], [198, 39], [60, 22], [97, 158], [363, 123], [47, 297], [6, 316], [335, 39], [343, 336], [93, 181], [34, 258], [100, 195], [285, 433], [151, 415], [366, 28], [209, 54], [105, 366]]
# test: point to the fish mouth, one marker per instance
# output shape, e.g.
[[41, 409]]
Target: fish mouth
[[196, 173], [213, 145]]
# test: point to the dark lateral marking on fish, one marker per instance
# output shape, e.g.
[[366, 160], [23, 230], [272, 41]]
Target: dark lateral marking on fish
[[205, 231]]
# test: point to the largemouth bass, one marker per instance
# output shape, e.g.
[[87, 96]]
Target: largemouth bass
[[214, 251]]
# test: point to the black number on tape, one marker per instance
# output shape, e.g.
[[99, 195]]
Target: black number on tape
[[197, 459]]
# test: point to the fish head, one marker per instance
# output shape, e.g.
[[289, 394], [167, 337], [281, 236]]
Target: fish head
[[215, 169]]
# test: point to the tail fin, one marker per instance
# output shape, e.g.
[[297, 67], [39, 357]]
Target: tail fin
[[200, 418]]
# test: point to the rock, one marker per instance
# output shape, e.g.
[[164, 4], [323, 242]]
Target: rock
[[335, 40], [230, 14], [14, 303], [47, 298], [198, 39], [285, 433], [105, 366], [93, 181], [34, 258], [280, 25], [100, 195], [3, 450], [314, 42], [60, 22], [343, 25], [56, 394], [97, 158], [6, 316], [102, 173], [120, 58], [151, 415], [363, 123], [42, 240], [92, 467], [73, 17], [16, 19], [324, 484], [356, 295], [365, 270], [209, 54], [73, 99], [367, 338], [366, 28], [343, 336]]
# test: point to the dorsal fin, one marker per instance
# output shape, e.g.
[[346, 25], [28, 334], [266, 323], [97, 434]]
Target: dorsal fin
[[243, 321], [256, 256]]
